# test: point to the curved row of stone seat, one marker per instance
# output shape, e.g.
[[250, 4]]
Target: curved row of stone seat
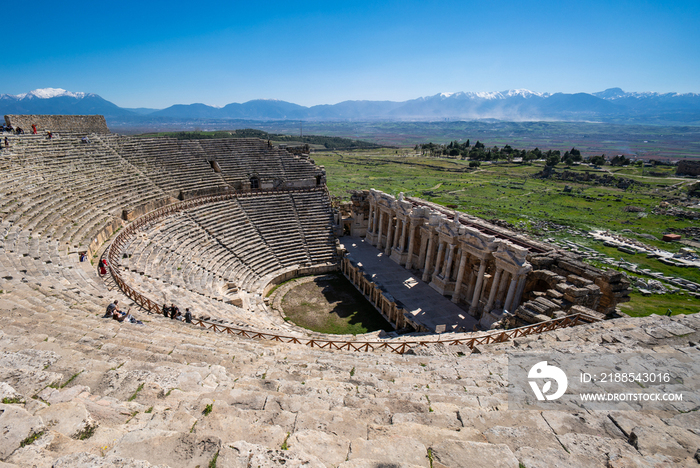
[[251, 315], [170, 394], [227, 223], [225, 252], [241, 159], [173, 165], [48, 183], [317, 217], [67, 189]]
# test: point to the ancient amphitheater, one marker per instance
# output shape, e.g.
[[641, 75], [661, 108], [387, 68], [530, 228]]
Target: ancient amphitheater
[[214, 225]]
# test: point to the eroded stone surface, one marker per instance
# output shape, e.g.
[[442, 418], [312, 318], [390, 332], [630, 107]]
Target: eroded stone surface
[[451, 453], [390, 450], [16, 425]]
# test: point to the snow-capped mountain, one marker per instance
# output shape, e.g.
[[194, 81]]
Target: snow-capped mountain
[[612, 94], [48, 93], [58, 101], [611, 105]]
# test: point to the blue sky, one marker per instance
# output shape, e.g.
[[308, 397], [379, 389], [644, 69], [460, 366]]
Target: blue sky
[[156, 54]]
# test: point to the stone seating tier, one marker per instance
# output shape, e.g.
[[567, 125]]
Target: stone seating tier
[[168, 394], [230, 242]]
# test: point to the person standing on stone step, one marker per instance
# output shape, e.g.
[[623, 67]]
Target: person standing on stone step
[[33, 129], [188, 316], [174, 312], [103, 267]]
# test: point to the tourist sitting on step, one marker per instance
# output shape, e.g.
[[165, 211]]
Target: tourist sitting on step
[[19, 131], [111, 309], [85, 140], [166, 311], [174, 312], [126, 317], [188, 316], [119, 316]]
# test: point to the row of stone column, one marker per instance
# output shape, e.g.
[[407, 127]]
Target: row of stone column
[[436, 258], [397, 230], [441, 264], [393, 313]]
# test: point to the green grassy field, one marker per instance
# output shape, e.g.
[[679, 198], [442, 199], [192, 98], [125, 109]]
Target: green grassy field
[[640, 306], [510, 192]]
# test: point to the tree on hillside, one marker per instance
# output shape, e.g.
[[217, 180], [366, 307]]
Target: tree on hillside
[[597, 160], [568, 159], [553, 158], [619, 160]]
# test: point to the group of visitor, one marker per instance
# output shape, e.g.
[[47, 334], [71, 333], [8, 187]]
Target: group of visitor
[[173, 312], [11, 129]]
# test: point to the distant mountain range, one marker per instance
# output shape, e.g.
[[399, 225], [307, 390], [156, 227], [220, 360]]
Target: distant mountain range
[[611, 105]]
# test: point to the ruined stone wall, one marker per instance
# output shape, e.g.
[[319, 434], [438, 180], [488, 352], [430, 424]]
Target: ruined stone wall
[[688, 168], [359, 212], [59, 123], [582, 284]]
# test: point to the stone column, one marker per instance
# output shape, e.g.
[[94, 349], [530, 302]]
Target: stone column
[[477, 288], [379, 230], [494, 288], [447, 268], [411, 241], [402, 243], [460, 276], [500, 294], [429, 257], [423, 249], [390, 234], [511, 294], [397, 233], [470, 282], [370, 219], [438, 264], [519, 291], [376, 217]]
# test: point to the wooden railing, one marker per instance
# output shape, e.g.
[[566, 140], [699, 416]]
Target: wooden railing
[[396, 346], [114, 252]]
